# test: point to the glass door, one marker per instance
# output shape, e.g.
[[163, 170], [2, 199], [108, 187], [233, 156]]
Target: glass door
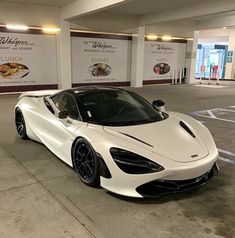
[[210, 62]]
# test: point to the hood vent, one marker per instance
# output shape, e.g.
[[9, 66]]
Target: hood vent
[[136, 139], [187, 129]]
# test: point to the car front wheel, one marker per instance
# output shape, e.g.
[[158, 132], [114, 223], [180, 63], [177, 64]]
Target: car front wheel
[[85, 162], [20, 124]]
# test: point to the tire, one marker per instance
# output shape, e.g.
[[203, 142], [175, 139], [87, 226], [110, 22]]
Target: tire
[[85, 163], [20, 124]]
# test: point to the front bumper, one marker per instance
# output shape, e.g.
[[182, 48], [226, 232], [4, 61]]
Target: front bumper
[[126, 184], [161, 187]]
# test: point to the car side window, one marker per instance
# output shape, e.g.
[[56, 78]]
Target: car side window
[[67, 103], [55, 99], [48, 105]]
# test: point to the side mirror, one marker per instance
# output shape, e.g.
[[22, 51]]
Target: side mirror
[[63, 114], [159, 105]]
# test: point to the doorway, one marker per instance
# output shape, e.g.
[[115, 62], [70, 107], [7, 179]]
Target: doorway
[[211, 60]]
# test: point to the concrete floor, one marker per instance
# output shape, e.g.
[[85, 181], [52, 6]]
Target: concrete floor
[[41, 197]]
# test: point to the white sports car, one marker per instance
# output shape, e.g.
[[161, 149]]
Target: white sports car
[[116, 139]]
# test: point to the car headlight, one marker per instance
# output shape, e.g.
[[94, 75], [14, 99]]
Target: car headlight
[[132, 163]]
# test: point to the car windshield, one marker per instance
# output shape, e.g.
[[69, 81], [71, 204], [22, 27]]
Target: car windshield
[[110, 107]]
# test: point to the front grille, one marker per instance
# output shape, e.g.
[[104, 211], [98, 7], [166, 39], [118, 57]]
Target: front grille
[[159, 188]]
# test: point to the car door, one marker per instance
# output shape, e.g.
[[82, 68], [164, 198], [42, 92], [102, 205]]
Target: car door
[[59, 133]]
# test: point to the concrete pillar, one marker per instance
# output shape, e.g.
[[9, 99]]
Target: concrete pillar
[[230, 67], [137, 59], [191, 54], [64, 56]]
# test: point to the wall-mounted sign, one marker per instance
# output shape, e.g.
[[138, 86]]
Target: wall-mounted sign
[[27, 59], [161, 58], [230, 53], [96, 60], [229, 59]]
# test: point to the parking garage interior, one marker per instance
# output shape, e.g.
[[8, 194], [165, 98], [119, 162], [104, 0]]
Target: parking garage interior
[[181, 52]]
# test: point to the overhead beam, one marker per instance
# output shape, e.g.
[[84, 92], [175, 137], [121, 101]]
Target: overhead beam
[[85, 7], [197, 9], [216, 21]]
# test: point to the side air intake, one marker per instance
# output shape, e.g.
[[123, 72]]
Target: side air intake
[[187, 129]]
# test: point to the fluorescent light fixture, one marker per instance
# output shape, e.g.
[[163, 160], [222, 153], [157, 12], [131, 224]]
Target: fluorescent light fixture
[[166, 38], [49, 30], [17, 27], [102, 32], [152, 37]]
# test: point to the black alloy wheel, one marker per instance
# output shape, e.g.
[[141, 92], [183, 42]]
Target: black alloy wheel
[[20, 124], [85, 163]]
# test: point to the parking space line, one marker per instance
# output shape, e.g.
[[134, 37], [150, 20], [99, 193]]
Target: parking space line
[[211, 115], [226, 110], [220, 119], [226, 152], [203, 122], [227, 160]]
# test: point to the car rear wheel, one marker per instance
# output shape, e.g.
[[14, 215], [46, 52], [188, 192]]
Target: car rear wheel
[[85, 162], [20, 124]]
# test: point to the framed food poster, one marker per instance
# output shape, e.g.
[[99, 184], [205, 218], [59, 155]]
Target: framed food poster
[[27, 59], [100, 58], [161, 58]]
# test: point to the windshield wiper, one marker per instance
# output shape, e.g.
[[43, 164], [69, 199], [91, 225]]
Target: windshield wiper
[[123, 123], [128, 123]]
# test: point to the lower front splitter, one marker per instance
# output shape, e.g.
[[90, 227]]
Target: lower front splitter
[[159, 188]]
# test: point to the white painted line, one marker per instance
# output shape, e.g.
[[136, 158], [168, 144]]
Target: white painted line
[[225, 110], [216, 118], [211, 114], [227, 152], [203, 122], [199, 115], [227, 160], [209, 86]]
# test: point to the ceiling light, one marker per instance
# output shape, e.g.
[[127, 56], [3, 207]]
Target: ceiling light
[[17, 27], [152, 37], [101, 32], [50, 30], [166, 38]]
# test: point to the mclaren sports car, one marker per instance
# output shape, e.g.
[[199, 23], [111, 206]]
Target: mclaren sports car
[[116, 139]]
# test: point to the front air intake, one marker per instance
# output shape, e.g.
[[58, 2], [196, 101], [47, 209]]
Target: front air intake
[[187, 129]]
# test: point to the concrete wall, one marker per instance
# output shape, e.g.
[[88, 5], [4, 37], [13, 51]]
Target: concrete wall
[[230, 67]]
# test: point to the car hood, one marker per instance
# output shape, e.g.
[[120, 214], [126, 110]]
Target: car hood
[[167, 138]]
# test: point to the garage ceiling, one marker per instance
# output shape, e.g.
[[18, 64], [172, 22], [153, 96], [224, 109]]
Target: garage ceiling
[[57, 3], [142, 7]]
